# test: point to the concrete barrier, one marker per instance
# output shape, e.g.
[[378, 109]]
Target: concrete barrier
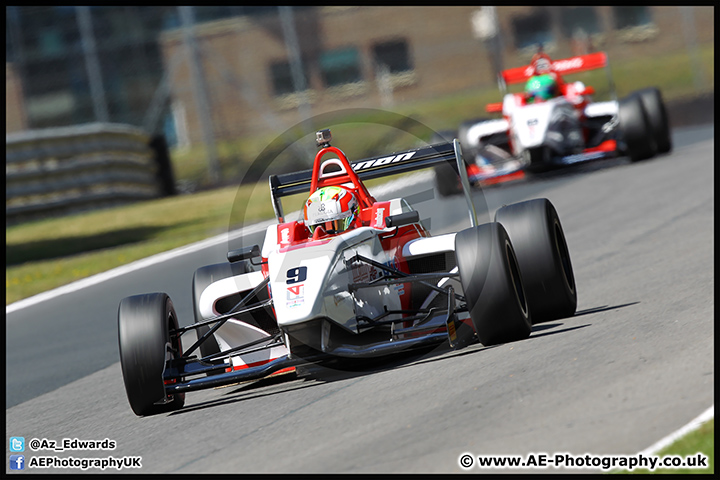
[[695, 110], [63, 170]]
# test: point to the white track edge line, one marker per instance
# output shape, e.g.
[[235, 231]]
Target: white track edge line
[[694, 424]]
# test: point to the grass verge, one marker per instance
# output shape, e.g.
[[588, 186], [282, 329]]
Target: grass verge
[[701, 440], [50, 253]]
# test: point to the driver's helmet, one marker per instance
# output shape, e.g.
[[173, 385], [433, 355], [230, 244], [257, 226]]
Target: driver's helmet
[[335, 208], [541, 88]]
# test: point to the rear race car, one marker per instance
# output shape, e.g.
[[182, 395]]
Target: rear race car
[[385, 286], [571, 128], [486, 163]]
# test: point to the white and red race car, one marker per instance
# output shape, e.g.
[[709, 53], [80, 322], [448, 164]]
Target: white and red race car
[[381, 288], [565, 130]]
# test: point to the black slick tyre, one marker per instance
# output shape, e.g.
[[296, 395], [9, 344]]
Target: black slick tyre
[[146, 341], [635, 129], [492, 284], [202, 279], [447, 181], [537, 159], [657, 118], [541, 249]]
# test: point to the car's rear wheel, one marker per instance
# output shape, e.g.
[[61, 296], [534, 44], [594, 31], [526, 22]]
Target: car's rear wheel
[[492, 284], [203, 278], [635, 129], [147, 340], [539, 241], [657, 118]]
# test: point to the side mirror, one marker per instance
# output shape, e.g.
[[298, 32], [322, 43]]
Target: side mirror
[[243, 253], [402, 219], [494, 107]]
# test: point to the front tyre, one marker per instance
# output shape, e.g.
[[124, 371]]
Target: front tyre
[[657, 118], [537, 159], [492, 284], [146, 338], [539, 241], [447, 181], [635, 129]]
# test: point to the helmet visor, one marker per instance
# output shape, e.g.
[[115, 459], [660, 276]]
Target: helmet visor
[[340, 225], [334, 226], [545, 92]]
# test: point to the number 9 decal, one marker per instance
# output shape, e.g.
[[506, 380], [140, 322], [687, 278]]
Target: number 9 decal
[[297, 275]]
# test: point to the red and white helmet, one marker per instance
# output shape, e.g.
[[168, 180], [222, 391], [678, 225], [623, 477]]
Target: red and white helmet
[[336, 208]]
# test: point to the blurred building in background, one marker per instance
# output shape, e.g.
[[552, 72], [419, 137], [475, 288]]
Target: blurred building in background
[[237, 70], [67, 60]]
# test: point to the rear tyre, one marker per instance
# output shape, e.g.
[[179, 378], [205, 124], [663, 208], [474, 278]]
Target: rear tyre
[[539, 241], [635, 129], [146, 342], [657, 118], [202, 279], [492, 284]]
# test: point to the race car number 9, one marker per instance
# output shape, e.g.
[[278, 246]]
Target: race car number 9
[[297, 275]]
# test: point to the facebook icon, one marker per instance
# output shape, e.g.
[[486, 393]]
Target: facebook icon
[[17, 462]]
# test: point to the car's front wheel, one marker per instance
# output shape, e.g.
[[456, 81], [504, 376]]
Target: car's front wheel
[[147, 340], [447, 181], [635, 129], [492, 284], [537, 159], [657, 118]]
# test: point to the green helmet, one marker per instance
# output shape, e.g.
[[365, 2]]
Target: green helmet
[[541, 87]]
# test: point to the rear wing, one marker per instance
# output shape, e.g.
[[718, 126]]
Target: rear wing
[[298, 182], [581, 63]]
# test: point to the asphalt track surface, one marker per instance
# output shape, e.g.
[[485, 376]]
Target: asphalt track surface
[[633, 365]]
